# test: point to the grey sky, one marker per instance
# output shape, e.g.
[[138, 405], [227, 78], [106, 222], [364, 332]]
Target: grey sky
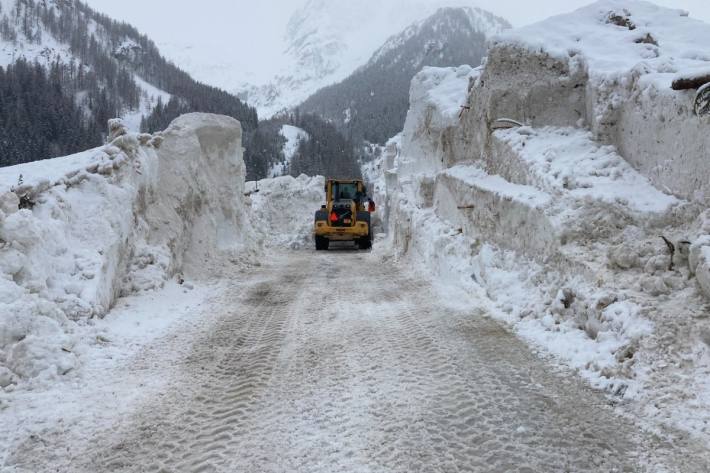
[[205, 16], [199, 32]]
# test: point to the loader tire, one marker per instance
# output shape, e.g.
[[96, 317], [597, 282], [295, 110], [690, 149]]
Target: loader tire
[[322, 243], [365, 243]]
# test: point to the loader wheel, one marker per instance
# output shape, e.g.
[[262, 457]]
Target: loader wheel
[[702, 101], [322, 243], [365, 243]]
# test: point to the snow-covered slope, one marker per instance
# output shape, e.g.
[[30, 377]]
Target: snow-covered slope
[[328, 40], [293, 136], [80, 231]]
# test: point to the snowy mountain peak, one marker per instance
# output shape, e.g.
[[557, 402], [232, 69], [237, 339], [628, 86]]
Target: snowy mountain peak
[[327, 40], [479, 21]]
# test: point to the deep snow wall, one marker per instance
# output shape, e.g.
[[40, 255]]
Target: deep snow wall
[[583, 69], [111, 221]]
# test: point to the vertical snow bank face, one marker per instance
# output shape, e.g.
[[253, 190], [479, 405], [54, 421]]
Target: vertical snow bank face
[[78, 232], [609, 66], [198, 206], [437, 97]]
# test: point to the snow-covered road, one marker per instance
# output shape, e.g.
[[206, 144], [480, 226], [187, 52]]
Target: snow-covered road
[[344, 362]]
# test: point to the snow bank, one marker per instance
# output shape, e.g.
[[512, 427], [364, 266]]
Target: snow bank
[[610, 66], [568, 160], [78, 232], [555, 224], [284, 208]]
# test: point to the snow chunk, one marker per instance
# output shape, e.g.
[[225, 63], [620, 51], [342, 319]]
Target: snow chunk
[[445, 88], [437, 97]]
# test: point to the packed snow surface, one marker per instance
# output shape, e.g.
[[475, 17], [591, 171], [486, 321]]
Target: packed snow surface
[[330, 361]]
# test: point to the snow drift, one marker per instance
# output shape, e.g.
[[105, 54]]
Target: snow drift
[[78, 232], [557, 223]]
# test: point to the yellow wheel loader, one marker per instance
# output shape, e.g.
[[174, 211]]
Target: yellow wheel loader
[[345, 216]]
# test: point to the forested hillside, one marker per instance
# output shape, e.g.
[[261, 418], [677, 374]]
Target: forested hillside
[[38, 117], [68, 69], [326, 152]]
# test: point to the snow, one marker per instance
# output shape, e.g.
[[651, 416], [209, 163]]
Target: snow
[[111, 222], [45, 53], [293, 136], [326, 41], [570, 159], [50, 50], [50, 171], [476, 177], [444, 88], [584, 70], [150, 95], [285, 207], [556, 223], [108, 349], [609, 49], [437, 97]]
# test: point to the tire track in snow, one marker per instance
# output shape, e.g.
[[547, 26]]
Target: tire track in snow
[[337, 362]]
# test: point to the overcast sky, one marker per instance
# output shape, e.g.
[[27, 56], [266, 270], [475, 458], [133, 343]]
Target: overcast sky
[[256, 27], [212, 17]]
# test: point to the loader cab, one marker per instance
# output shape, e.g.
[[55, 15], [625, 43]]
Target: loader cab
[[345, 190]]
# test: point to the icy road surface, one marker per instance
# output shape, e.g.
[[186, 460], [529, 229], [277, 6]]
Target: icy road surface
[[342, 362]]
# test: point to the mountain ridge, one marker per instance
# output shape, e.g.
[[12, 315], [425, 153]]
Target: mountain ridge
[[326, 41], [372, 103]]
